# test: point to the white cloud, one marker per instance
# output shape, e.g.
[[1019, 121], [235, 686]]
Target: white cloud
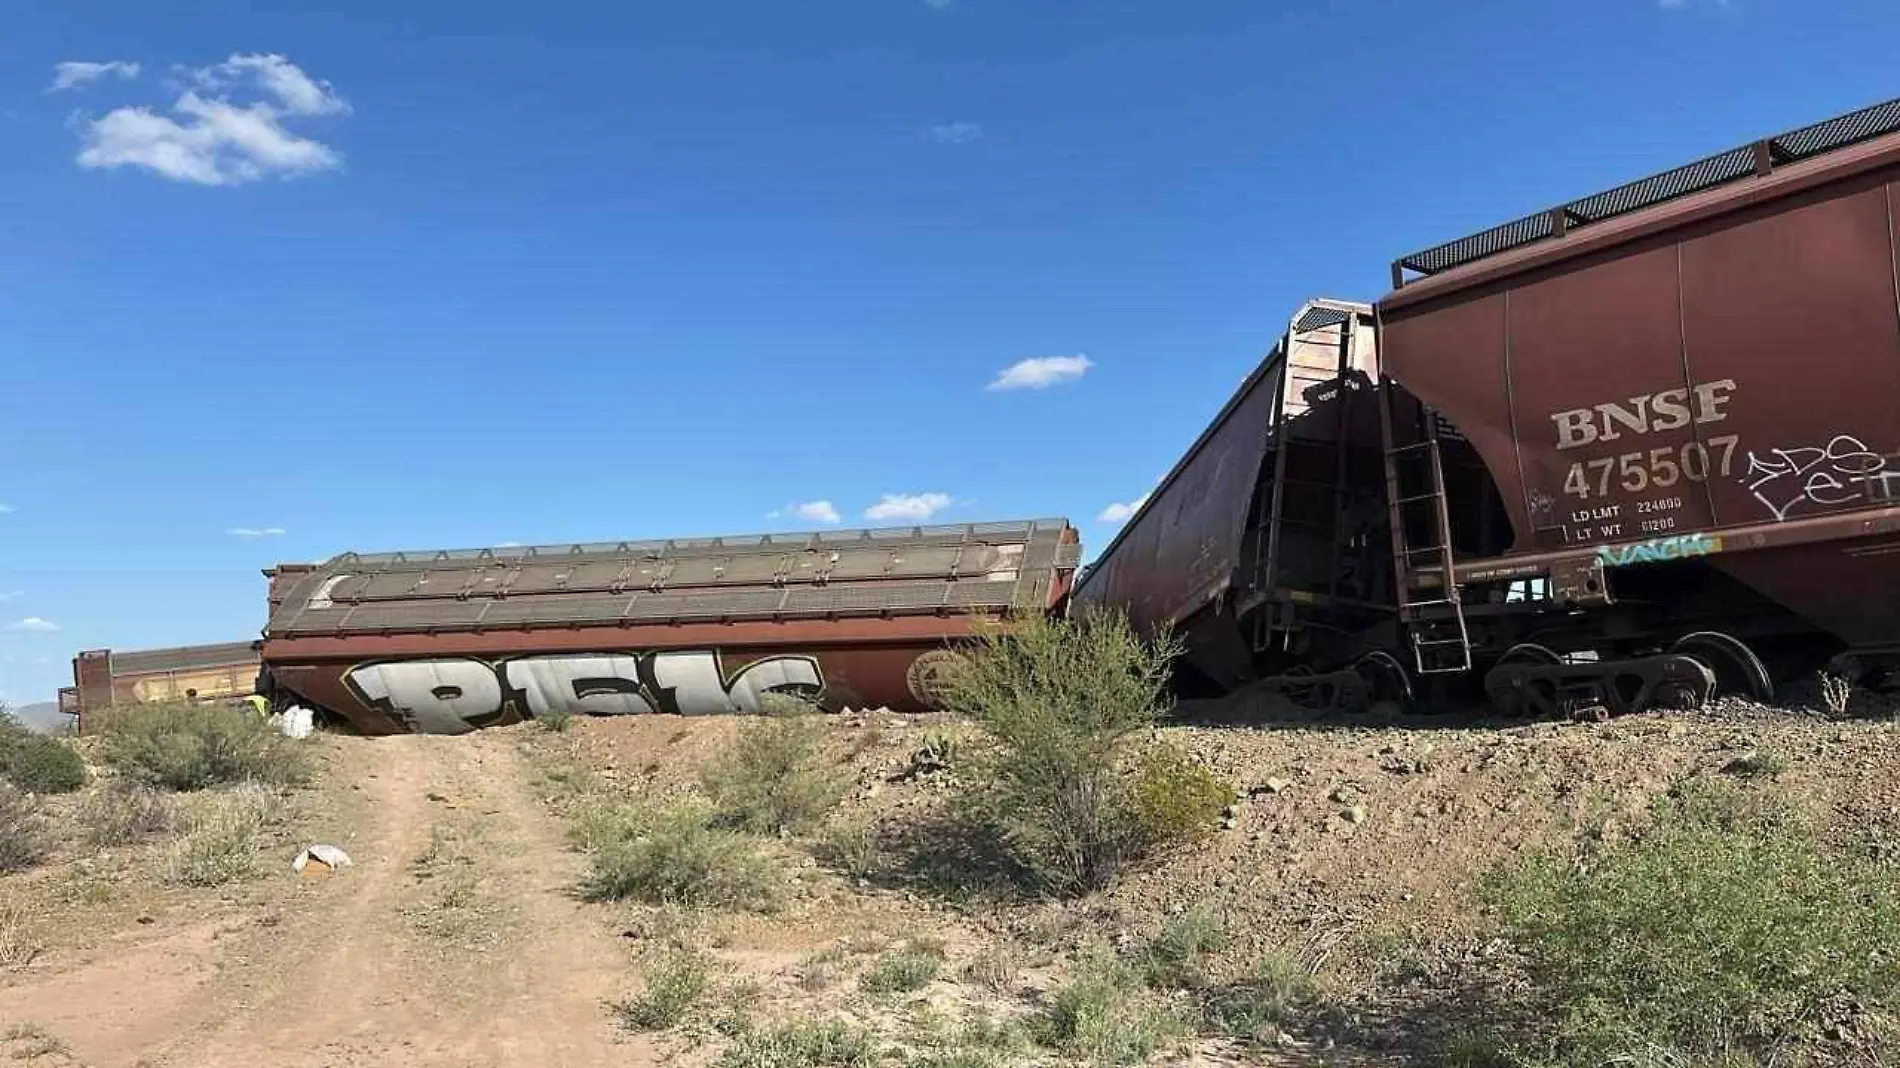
[[299, 93], [255, 532], [1117, 513], [34, 625], [6, 509], [214, 141], [815, 512], [1041, 372], [11, 595], [912, 506], [957, 133], [75, 73]]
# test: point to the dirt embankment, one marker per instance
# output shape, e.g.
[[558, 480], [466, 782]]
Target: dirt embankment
[[456, 937]]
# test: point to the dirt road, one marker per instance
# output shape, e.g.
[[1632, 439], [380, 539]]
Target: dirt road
[[404, 959]]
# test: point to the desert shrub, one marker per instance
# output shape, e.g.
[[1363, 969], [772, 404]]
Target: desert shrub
[[849, 849], [1062, 704], [675, 984], [1176, 797], [1176, 958], [676, 855], [995, 970], [1726, 930], [125, 810], [25, 838], [771, 780], [555, 719], [18, 945], [221, 846], [1103, 1016], [194, 746], [1275, 993], [801, 1045], [903, 970], [39, 764]]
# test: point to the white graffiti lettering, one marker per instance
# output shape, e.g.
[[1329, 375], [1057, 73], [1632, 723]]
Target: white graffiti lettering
[[456, 695], [431, 696], [1843, 472], [1659, 550], [607, 685]]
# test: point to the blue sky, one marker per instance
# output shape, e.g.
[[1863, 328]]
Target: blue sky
[[431, 274]]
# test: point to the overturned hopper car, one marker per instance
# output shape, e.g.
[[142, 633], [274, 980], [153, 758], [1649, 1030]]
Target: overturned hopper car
[[446, 642], [1642, 448]]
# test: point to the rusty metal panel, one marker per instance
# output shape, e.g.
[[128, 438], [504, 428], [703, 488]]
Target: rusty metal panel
[[1793, 310], [1451, 356], [1606, 416]]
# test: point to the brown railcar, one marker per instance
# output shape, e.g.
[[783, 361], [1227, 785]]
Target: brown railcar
[[103, 678], [445, 642], [1643, 447]]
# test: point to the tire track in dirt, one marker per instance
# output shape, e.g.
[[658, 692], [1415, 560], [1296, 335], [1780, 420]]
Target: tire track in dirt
[[347, 978]]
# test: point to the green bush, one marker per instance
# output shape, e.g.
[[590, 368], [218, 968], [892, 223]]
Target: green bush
[[125, 810], [1177, 957], [40, 764], [556, 719], [902, 971], [1726, 930], [1177, 798], [1103, 1016], [194, 746], [675, 855], [800, 1045], [1274, 994], [1063, 705], [25, 838], [674, 985], [772, 780]]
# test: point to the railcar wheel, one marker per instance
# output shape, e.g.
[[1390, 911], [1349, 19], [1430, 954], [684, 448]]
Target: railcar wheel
[[1508, 690], [1738, 671], [1387, 677]]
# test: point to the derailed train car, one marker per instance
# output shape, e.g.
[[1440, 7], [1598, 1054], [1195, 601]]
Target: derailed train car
[[1641, 448], [450, 641]]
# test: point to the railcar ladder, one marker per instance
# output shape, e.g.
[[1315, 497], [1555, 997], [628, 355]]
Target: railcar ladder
[[1441, 643]]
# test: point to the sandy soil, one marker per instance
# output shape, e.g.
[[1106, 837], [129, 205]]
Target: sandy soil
[[341, 971], [455, 938]]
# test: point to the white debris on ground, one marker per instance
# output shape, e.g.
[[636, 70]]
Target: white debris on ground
[[297, 722], [320, 860]]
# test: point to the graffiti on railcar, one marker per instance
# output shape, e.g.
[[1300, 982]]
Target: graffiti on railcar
[[452, 695], [1659, 550], [1842, 472]]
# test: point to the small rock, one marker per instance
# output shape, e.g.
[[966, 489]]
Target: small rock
[[1355, 815], [1230, 812], [147, 920], [1274, 786], [433, 796], [1229, 823], [1342, 794]]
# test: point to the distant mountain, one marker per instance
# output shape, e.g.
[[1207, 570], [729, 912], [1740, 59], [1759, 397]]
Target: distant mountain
[[43, 716]]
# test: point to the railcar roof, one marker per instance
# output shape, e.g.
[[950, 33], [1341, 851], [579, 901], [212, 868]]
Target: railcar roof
[[1735, 164]]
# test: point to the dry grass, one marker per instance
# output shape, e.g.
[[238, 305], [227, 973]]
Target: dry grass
[[18, 946], [222, 844]]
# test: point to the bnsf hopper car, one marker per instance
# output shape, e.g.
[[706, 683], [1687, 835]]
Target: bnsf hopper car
[[1640, 448], [445, 642]]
